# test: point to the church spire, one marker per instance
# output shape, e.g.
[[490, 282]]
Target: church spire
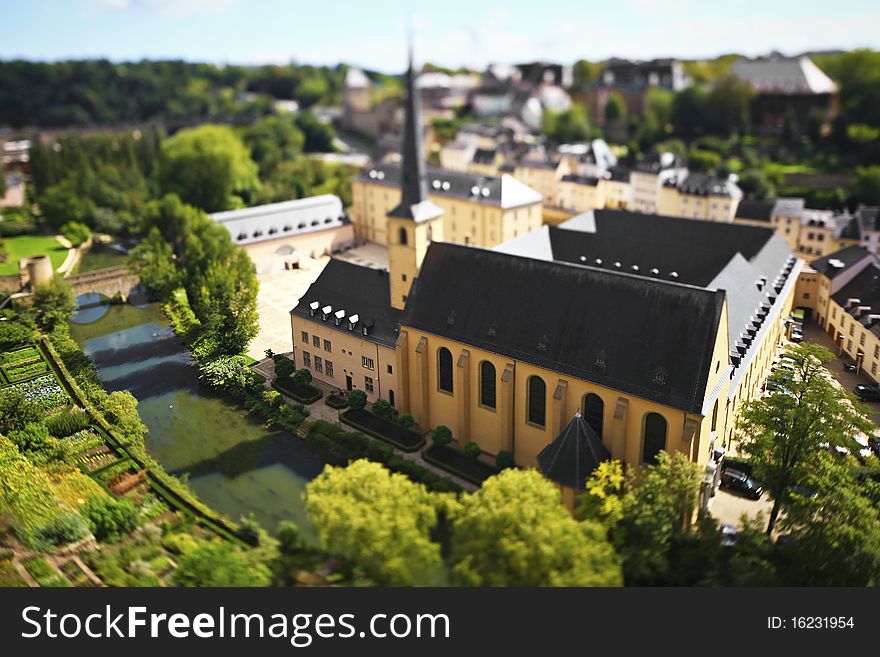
[[414, 203]]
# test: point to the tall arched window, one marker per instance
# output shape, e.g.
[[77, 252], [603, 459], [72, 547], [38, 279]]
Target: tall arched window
[[594, 411], [487, 384], [537, 401], [403, 236], [444, 369], [655, 437]]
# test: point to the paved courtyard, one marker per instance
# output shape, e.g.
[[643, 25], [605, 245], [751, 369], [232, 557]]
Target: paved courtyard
[[279, 292]]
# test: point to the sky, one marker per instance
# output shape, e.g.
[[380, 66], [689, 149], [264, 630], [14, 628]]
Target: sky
[[473, 33]]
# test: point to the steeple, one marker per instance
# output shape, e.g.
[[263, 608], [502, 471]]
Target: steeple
[[414, 203]]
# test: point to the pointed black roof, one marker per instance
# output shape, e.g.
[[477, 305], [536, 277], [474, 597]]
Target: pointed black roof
[[573, 455], [414, 203]]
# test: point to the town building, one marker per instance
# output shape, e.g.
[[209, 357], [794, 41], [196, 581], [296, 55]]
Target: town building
[[655, 329], [648, 177], [289, 234], [791, 93], [699, 196]]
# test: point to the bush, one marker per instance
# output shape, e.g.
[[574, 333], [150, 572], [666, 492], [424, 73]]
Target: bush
[[357, 400], [284, 367], [382, 408], [76, 232], [180, 543], [302, 377], [406, 421], [504, 460], [441, 435], [67, 423], [62, 530], [472, 450], [110, 519], [12, 334]]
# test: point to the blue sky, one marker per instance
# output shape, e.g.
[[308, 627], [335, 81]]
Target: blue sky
[[372, 33]]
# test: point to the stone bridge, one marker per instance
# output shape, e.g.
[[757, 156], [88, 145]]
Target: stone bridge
[[109, 282]]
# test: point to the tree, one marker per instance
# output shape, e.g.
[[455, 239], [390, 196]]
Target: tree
[[153, 261], [63, 202], [583, 73], [703, 160], [120, 409], [867, 185], [602, 499], [441, 435], [728, 103], [284, 367], [53, 303], [110, 519], [835, 532], [208, 167], [514, 531], [357, 400], [615, 108], [303, 377], [16, 411], [216, 563], [653, 517], [380, 521], [784, 434], [568, 125], [382, 408], [319, 136], [273, 140], [756, 184], [76, 233], [690, 112]]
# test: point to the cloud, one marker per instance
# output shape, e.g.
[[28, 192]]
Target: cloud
[[175, 8]]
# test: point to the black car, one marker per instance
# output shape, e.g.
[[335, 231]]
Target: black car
[[867, 392], [741, 482], [850, 367]]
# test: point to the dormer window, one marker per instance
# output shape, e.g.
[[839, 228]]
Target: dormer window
[[325, 312], [338, 317], [313, 308], [352, 322], [301, 225]]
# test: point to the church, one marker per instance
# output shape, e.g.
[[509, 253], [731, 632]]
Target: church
[[614, 334]]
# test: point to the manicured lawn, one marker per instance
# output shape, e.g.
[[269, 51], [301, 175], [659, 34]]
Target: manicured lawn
[[408, 441], [25, 246], [454, 461]]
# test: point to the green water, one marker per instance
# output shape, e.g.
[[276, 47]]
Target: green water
[[99, 257], [233, 462]]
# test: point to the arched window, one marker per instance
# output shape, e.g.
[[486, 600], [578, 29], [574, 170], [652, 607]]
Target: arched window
[[403, 236], [715, 415], [487, 384], [655, 437], [594, 411], [429, 233], [537, 401], [444, 369]]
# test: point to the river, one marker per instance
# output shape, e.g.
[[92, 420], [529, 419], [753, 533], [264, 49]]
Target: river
[[233, 462]]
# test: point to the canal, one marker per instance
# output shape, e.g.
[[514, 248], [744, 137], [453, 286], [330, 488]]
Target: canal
[[233, 463]]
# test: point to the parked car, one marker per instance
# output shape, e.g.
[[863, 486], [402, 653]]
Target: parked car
[[741, 482], [850, 367], [797, 336], [729, 535], [867, 392]]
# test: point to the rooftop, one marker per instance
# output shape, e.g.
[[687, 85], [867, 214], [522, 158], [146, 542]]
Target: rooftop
[[784, 75], [284, 219], [837, 263], [861, 297]]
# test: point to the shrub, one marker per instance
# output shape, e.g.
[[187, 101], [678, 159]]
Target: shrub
[[406, 421], [382, 408], [284, 367], [504, 460], [61, 530], [180, 543], [441, 435], [12, 334], [110, 519], [302, 377], [472, 451], [67, 423], [76, 232], [357, 400]]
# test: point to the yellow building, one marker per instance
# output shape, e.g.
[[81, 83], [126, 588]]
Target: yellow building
[[479, 210], [580, 193], [543, 176], [618, 193], [699, 196]]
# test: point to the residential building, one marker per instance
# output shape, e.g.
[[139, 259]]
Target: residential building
[[648, 177], [791, 93], [290, 234], [542, 175], [618, 191], [699, 196]]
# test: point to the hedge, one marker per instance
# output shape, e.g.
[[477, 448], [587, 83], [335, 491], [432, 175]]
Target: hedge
[[455, 461], [402, 439], [336, 402], [307, 394]]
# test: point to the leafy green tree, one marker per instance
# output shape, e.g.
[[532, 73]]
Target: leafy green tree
[[318, 136], [583, 73], [273, 140], [110, 519], [208, 167], [16, 411], [703, 160], [756, 184], [601, 500], [514, 531], [784, 434], [76, 233], [284, 367], [63, 203], [836, 533], [690, 114], [615, 108], [728, 103], [303, 377], [215, 563], [310, 90], [568, 125], [153, 261], [53, 303], [357, 400], [867, 185], [380, 521]]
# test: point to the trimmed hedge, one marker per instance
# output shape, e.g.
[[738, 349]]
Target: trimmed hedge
[[307, 394], [351, 446], [336, 402], [403, 439], [458, 463]]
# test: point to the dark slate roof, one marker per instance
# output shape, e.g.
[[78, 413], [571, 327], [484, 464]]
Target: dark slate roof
[[850, 229], [619, 174], [649, 338], [694, 249], [413, 186], [865, 287], [484, 156], [580, 179], [573, 455], [849, 257], [756, 210], [357, 290], [700, 184]]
